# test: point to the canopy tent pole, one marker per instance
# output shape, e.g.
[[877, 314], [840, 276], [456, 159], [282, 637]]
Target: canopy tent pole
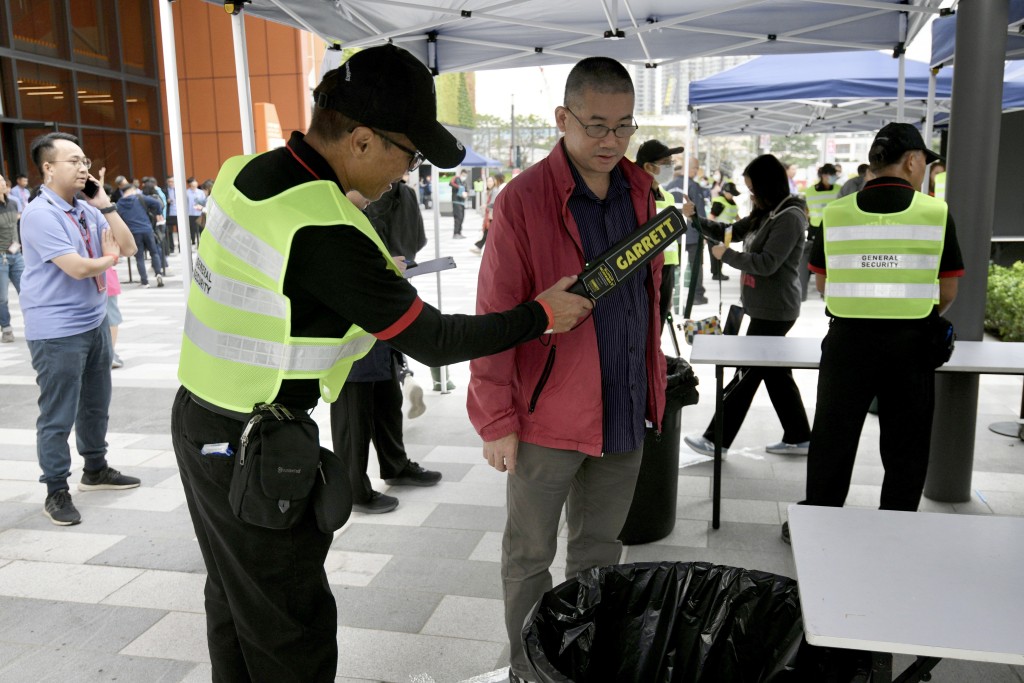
[[901, 87], [929, 119], [436, 204], [974, 125], [677, 291], [242, 78], [174, 130]]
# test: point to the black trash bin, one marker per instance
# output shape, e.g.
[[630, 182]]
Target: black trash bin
[[672, 621], [652, 515]]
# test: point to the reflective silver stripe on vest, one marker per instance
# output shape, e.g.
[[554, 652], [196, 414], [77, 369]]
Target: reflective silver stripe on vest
[[268, 354], [930, 233], [883, 261], [241, 243], [881, 290], [239, 295]]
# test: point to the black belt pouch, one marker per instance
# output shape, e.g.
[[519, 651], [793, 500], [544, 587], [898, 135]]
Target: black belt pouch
[[276, 469]]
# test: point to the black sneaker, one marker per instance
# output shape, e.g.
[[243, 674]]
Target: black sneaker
[[700, 300], [59, 508], [785, 534], [107, 478], [414, 475], [377, 505]]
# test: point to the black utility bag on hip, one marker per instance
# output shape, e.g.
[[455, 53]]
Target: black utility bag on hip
[[277, 466], [941, 341]]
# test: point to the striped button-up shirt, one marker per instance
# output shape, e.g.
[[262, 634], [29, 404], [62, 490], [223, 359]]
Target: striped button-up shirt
[[620, 317]]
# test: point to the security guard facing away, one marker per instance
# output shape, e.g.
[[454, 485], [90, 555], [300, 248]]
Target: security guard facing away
[[888, 265], [291, 286]]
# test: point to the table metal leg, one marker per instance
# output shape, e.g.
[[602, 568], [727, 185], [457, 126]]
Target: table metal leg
[[716, 476], [881, 667], [920, 670]]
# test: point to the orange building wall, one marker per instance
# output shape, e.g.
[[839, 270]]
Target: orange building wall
[[280, 59]]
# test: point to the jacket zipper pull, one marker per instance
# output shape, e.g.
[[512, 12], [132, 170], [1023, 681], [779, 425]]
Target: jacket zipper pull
[[244, 441]]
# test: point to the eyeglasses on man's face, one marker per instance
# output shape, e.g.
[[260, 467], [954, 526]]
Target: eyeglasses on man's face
[[84, 162], [598, 130], [415, 157]]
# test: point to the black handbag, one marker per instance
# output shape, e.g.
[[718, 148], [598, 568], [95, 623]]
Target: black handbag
[[276, 469], [941, 341], [332, 492]]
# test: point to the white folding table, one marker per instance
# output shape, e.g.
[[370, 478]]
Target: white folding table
[[926, 584], [724, 351]]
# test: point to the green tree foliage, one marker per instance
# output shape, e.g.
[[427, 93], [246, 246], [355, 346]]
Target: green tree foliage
[[797, 149], [453, 102], [1004, 308]]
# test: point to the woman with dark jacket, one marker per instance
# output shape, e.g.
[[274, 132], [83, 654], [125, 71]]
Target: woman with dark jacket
[[773, 241]]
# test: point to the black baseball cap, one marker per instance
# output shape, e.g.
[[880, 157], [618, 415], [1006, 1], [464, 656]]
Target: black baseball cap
[[731, 188], [385, 87], [895, 139], [653, 150]]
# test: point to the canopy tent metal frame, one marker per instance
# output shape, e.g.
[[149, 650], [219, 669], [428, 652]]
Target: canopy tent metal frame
[[472, 35]]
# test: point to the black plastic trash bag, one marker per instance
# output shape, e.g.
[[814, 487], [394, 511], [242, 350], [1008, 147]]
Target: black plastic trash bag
[[681, 388], [660, 622]]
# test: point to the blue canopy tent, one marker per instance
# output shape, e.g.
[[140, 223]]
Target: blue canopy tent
[[944, 36], [475, 160], [829, 92]]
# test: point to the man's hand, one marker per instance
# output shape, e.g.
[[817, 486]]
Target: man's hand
[[718, 250], [689, 208], [567, 308], [110, 245], [400, 262], [501, 454], [100, 200]]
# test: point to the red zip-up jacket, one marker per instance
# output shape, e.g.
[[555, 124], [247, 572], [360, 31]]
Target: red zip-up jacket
[[533, 242]]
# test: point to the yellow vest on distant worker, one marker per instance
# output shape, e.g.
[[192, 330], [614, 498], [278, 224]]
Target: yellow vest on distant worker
[[817, 200], [728, 213], [238, 346], [672, 252], [940, 186], [883, 265]]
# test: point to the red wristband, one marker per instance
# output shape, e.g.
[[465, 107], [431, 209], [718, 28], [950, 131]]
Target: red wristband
[[551, 315]]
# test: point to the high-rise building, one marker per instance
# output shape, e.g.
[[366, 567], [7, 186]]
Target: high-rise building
[[664, 91]]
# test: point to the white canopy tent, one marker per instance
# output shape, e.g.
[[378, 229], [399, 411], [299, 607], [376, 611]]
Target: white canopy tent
[[471, 35]]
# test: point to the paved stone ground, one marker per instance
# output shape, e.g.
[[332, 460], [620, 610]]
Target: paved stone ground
[[119, 597]]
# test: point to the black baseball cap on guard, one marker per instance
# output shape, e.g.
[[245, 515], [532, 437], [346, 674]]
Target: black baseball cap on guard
[[386, 87], [898, 138]]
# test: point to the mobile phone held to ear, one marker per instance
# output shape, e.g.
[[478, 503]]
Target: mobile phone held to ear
[[91, 188]]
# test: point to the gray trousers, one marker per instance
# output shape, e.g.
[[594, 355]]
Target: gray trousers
[[598, 491]]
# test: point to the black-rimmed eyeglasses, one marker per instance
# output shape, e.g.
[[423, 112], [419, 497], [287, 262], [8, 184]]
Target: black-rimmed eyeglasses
[[85, 163], [415, 157], [599, 130]]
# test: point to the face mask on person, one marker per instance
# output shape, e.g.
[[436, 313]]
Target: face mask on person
[[830, 179], [664, 175]]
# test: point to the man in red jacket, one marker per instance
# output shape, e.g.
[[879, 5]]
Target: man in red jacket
[[570, 426]]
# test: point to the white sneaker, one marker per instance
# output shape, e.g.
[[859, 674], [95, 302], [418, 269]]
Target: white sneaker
[[703, 446], [7, 336], [783, 448], [159, 280], [413, 393]]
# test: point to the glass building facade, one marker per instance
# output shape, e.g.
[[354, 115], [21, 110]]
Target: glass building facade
[[85, 67]]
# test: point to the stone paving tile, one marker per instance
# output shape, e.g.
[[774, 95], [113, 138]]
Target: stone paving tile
[[386, 656], [409, 513], [415, 541], [163, 590], [64, 664], [471, 618], [14, 514], [687, 533], [480, 517], [178, 636], [406, 610], [51, 623], [754, 538], [762, 489], [70, 582], [353, 569], [438, 575], [54, 546]]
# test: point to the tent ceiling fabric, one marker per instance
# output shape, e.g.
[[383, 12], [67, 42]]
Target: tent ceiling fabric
[[473, 35], [944, 36], [817, 93]]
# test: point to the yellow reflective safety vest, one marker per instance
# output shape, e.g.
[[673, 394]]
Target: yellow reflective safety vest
[[817, 200], [728, 213], [883, 265], [940, 186], [672, 252], [238, 346]]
